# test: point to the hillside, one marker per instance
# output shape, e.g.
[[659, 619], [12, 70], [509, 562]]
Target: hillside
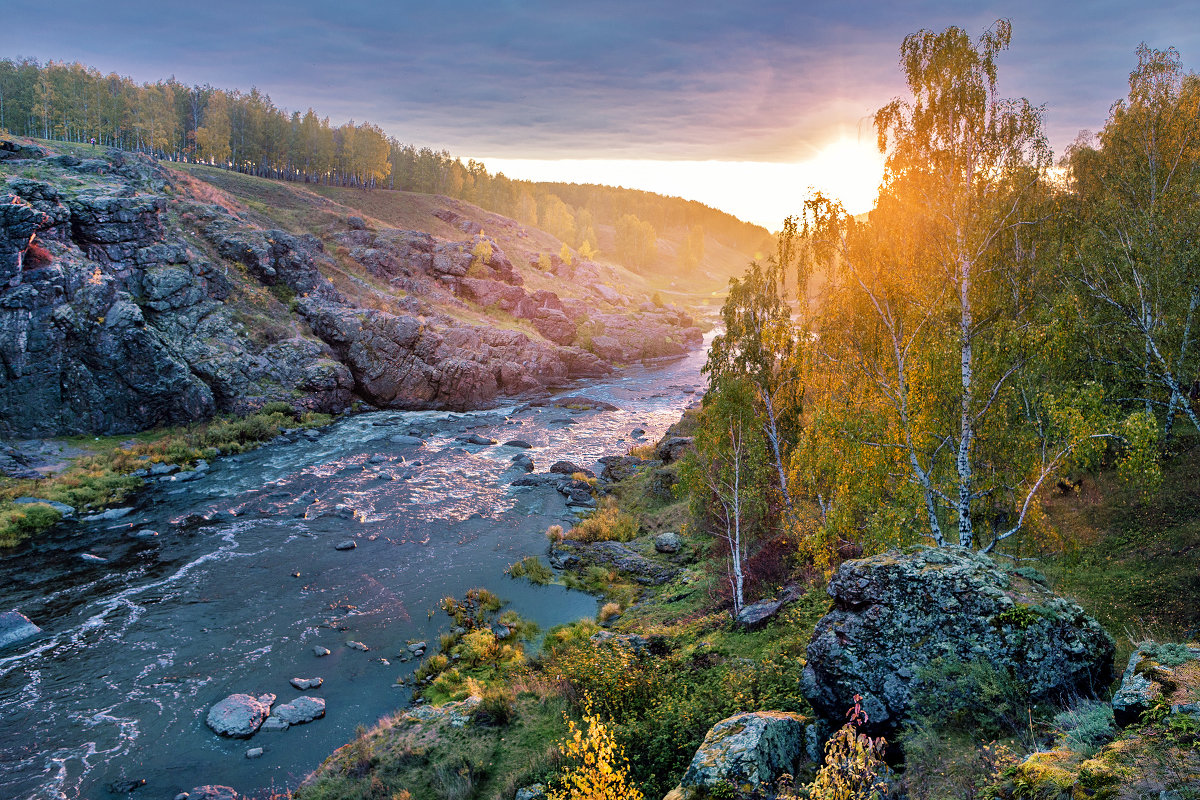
[[142, 294]]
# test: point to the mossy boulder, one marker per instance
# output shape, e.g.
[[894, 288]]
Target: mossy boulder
[[749, 751], [895, 614], [1156, 672]]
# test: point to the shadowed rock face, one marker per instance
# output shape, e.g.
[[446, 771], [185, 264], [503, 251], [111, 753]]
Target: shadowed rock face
[[897, 612], [151, 307]]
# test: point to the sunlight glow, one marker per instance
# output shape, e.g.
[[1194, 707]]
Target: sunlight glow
[[761, 192]]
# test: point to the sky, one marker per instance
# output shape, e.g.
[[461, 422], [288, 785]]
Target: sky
[[741, 105]]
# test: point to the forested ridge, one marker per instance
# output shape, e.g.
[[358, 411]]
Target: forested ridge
[[247, 132]]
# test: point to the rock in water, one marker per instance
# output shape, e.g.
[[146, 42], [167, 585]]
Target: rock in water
[[212, 792], [301, 710], [16, 627], [349, 544], [895, 613], [239, 715], [307, 683], [749, 751], [319, 651]]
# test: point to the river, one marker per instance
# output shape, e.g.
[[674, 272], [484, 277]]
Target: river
[[137, 648]]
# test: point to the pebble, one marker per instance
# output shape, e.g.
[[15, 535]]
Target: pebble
[[319, 651], [357, 646], [306, 683], [254, 752], [349, 544], [94, 559]]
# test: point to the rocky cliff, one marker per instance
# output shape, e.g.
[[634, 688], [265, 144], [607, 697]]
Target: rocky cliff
[[132, 295]]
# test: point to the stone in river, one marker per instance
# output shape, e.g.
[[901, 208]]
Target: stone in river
[[212, 792], [407, 441], [301, 710], [307, 683], [475, 438], [416, 647], [16, 627], [254, 752], [349, 544], [239, 715], [319, 651], [273, 724], [357, 646], [521, 443], [94, 559]]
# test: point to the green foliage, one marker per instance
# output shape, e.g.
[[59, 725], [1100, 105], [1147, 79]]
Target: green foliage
[[970, 696], [20, 522], [1020, 616], [1086, 727], [532, 568]]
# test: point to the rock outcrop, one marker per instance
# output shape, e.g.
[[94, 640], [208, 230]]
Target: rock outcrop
[[749, 751], [895, 613], [1154, 674], [133, 296]]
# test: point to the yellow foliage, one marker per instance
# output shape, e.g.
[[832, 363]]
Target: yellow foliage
[[600, 770]]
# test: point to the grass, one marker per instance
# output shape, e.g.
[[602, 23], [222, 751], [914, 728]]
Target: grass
[[100, 476]]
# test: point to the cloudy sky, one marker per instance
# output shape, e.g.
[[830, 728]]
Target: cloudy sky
[[610, 84]]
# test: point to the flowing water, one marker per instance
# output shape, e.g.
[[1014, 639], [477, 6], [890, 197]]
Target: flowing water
[[243, 580]]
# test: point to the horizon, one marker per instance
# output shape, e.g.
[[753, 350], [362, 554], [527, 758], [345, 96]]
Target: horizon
[[742, 110]]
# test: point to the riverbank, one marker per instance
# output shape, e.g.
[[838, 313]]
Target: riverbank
[[663, 661], [90, 474], [244, 579]]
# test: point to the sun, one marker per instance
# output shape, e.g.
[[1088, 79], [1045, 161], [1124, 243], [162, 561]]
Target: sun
[[850, 171]]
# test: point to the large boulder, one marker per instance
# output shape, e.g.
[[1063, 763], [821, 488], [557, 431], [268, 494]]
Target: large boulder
[[749, 751], [239, 715], [895, 613]]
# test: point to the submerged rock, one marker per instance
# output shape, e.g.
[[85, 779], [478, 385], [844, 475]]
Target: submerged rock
[[16, 627], [895, 614], [749, 751], [307, 683], [239, 715], [212, 792]]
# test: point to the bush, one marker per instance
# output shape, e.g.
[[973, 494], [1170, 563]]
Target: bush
[[20, 522], [599, 769], [608, 523], [278, 407], [1087, 727], [495, 707], [971, 696], [531, 567]]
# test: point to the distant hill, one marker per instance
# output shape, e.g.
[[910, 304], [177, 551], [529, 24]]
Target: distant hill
[[245, 132]]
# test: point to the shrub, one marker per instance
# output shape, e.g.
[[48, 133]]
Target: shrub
[[608, 523], [971, 696], [19, 522], [854, 768], [495, 707], [279, 407], [531, 567], [599, 770], [609, 611], [1087, 727], [555, 533]]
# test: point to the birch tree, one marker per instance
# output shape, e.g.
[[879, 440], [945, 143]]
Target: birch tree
[[725, 474], [1137, 242], [933, 311]]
